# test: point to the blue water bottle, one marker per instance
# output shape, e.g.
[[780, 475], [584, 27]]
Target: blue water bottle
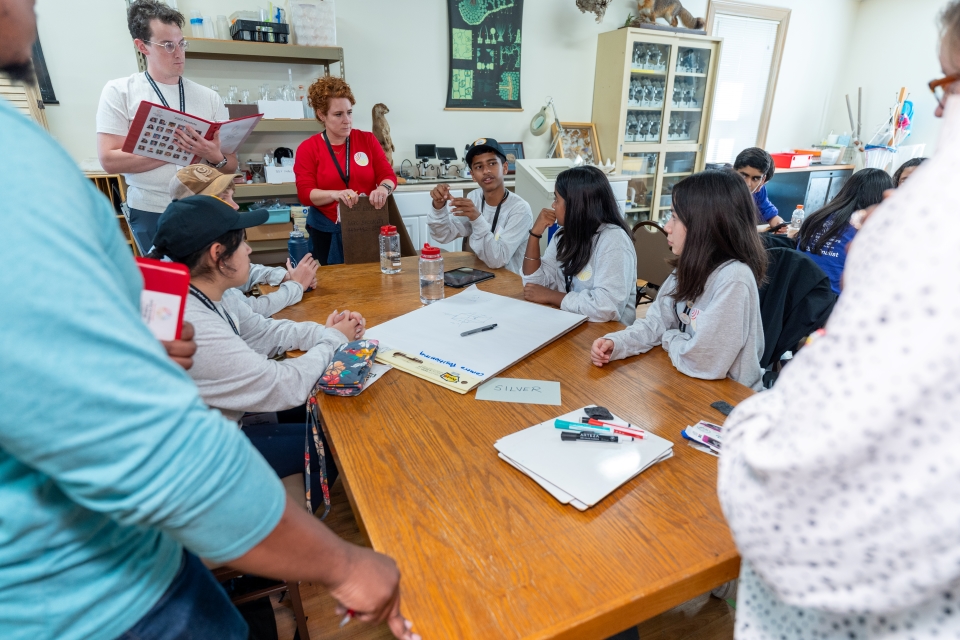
[[297, 246]]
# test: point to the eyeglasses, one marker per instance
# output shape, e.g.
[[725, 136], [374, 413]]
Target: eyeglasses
[[940, 87], [170, 47]]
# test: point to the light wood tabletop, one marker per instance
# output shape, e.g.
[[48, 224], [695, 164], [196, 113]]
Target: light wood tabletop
[[483, 550]]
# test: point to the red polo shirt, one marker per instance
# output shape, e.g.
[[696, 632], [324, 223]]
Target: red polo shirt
[[315, 169]]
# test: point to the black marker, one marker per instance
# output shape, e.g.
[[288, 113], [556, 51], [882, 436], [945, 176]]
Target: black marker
[[473, 331], [589, 436]]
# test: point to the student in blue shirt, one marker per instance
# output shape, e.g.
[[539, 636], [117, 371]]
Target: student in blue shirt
[[826, 233], [756, 167], [115, 478]]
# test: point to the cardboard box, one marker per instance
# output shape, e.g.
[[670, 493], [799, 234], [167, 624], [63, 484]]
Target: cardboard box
[[360, 226], [274, 232]]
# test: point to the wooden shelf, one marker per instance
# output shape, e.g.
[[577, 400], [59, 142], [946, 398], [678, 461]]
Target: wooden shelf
[[688, 75], [646, 72], [688, 109], [267, 126], [203, 48], [264, 190], [637, 209], [678, 175], [631, 107]]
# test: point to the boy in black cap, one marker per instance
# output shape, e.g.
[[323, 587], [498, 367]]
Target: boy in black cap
[[493, 220]]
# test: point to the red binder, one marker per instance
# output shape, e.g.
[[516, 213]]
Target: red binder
[[164, 297]]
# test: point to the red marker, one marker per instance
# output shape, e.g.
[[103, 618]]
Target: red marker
[[628, 430]]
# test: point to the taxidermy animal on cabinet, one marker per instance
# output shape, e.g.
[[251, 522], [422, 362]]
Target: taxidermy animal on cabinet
[[597, 7], [670, 10], [381, 130]]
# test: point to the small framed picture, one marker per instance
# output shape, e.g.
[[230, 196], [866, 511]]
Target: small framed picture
[[141, 148], [514, 151], [578, 139]]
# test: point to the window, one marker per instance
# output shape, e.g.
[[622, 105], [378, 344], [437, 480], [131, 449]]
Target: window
[[747, 78]]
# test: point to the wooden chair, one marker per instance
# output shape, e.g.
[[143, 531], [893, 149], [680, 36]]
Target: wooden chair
[[653, 252], [222, 574]]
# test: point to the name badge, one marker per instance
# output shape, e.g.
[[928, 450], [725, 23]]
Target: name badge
[[361, 159]]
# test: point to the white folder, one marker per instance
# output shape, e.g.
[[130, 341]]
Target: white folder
[[579, 473]]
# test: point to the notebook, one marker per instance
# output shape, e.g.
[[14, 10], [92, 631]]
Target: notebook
[[580, 474]]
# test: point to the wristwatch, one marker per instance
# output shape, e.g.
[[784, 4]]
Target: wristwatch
[[386, 185], [221, 164]]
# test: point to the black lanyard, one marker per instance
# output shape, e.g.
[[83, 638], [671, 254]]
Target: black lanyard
[[345, 176], [202, 297], [684, 318], [496, 216], [183, 102]]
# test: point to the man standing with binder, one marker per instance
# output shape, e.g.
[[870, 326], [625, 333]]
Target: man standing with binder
[[156, 31]]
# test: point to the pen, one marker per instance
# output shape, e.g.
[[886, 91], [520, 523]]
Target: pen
[[602, 423], [588, 436], [347, 618], [579, 426], [478, 330]]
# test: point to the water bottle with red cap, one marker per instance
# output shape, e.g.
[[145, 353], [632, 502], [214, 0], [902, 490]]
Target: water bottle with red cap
[[389, 249], [431, 275]]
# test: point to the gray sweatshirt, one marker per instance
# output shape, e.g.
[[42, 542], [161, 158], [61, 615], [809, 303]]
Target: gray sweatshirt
[[235, 373], [497, 248], [724, 338], [268, 304], [606, 289]]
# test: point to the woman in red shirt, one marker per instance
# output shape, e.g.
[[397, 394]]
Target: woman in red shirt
[[336, 167]]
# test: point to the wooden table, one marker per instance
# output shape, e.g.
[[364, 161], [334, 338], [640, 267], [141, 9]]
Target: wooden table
[[484, 551]]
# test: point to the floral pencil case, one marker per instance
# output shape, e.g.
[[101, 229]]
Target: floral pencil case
[[347, 373]]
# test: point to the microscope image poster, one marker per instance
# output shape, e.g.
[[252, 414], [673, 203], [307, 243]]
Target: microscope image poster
[[485, 41]]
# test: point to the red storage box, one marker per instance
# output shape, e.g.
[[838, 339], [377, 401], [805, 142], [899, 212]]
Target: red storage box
[[791, 160]]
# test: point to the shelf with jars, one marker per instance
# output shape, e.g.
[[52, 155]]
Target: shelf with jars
[[653, 98]]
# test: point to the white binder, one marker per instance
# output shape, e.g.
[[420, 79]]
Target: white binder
[[579, 473]]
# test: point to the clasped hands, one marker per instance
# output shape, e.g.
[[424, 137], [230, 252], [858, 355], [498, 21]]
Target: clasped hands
[[458, 206], [349, 323]]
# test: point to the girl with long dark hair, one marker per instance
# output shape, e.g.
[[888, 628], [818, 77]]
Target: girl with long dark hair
[[707, 316], [826, 233], [590, 265]]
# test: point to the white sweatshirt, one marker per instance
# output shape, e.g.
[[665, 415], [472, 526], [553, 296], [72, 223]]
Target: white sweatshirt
[[497, 248], [724, 338], [235, 373], [606, 289]]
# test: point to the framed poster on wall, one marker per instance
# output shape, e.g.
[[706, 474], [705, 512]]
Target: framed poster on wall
[[485, 42]]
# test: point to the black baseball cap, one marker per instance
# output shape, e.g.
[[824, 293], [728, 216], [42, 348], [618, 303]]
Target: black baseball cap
[[193, 223], [485, 145]]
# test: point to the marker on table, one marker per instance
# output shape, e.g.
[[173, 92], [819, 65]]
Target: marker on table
[[604, 423], [478, 330], [580, 427], [588, 436], [347, 618]]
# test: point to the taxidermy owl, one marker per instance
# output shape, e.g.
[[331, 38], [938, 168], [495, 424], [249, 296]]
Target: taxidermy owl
[[598, 7], [381, 130]]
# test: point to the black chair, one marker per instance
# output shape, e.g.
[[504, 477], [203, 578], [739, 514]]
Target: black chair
[[650, 242], [795, 301]]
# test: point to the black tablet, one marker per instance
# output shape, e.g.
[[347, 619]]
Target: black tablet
[[464, 277]]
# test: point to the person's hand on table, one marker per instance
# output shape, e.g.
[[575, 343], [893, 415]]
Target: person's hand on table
[[601, 351], [348, 197], [181, 351], [372, 592], [546, 219], [440, 195], [190, 139], [305, 272], [349, 323], [464, 207], [379, 197]]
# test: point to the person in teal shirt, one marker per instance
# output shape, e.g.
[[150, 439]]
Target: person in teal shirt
[[114, 476]]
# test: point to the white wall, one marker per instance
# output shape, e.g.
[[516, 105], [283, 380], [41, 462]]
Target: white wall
[[397, 53], [892, 47]]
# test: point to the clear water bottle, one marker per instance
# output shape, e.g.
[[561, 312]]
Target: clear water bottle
[[431, 275], [798, 217], [389, 250], [297, 246]]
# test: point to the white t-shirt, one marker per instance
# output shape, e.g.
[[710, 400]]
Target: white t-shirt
[[119, 101]]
